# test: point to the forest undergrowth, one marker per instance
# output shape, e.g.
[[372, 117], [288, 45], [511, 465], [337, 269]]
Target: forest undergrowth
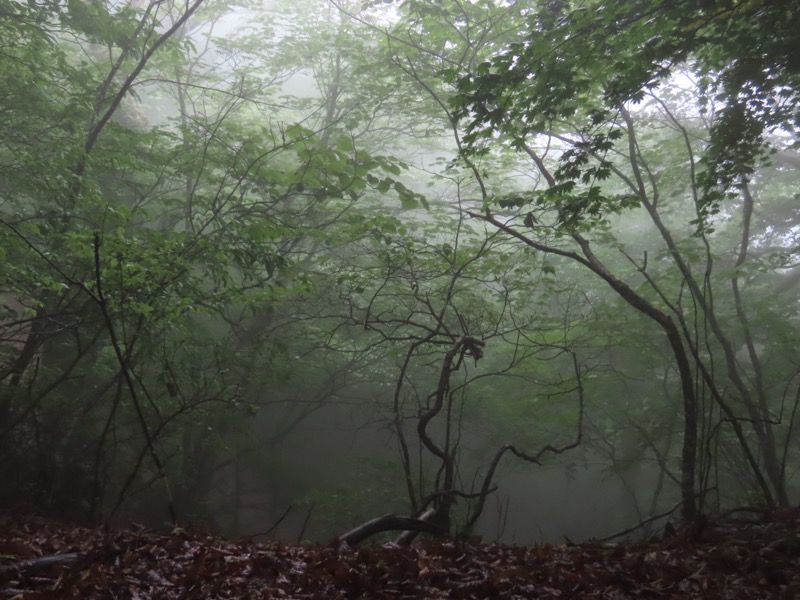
[[748, 557]]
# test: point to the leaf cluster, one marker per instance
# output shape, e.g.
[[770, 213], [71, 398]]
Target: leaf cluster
[[585, 60]]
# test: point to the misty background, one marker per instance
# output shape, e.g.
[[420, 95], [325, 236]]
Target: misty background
[[262, 274]]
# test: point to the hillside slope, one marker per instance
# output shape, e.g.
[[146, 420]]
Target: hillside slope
[[747, 559]]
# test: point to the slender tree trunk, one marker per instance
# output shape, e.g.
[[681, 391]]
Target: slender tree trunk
[[690, 413], [667, 324], [756, 407]]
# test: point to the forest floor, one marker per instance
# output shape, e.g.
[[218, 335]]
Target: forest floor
[[757, 557]]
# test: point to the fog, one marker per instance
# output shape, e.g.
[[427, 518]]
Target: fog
[[331, 454], [276, 269]]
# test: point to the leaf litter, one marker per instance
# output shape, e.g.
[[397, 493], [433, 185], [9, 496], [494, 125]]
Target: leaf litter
[[729, 558]]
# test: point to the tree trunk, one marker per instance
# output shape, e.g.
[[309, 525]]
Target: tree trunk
[[593, 263], [390, 523]]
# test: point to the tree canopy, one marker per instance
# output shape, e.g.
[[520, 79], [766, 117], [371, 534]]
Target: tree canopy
[[348, 258], [591, 58]]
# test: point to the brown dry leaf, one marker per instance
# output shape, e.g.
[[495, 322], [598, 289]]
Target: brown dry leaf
[[755, 560]]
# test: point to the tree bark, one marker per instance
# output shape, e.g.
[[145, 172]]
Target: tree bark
[[388, 523]]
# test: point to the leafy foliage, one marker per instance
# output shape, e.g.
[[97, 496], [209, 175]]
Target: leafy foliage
[[220, 221], [740, 53]]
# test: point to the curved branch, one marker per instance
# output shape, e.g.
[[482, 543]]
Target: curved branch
[[487, 488], [388, 523]]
